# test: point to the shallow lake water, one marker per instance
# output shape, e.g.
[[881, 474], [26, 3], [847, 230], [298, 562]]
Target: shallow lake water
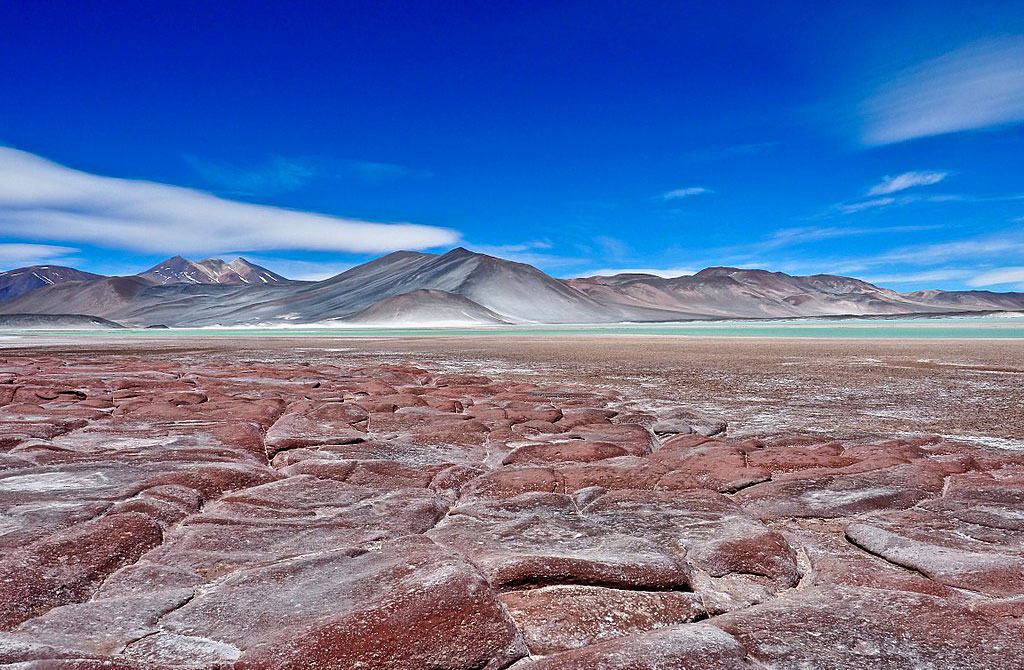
[[885, 328]]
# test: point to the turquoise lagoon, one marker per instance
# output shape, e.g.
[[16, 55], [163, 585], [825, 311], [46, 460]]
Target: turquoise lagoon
[[987, 327]]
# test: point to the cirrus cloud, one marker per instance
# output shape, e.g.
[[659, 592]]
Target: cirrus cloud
[[685, 192], [977, 86], [1009, 275], [42, 200], [901, 182], [18, 254]]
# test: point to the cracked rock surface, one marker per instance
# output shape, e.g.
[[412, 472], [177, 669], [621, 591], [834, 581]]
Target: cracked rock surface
[[255, 513]]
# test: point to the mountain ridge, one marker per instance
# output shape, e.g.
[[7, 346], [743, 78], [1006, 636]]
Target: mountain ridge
[[180, 270], [463, 286], [18, 282]]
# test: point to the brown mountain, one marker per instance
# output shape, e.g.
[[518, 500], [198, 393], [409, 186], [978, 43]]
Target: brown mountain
[[14, 283], [178, 270], [735, 292], [461, 286]]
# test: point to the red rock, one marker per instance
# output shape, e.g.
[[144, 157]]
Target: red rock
[[69, 566], [212, 480], [533, 428], [692, 646], [409, 605], [486, 414], [245, 435], [717, 537], [712, 465], [949, 551], [317, 467], [454, 477], [511, 482], [872, 628], [556, 618], [520, 411], [447, 432], [636, 440], [102, 625], [323, 554], [831, 560], [847, 491], [645, 419], [787, 458], [626, 472], [560, 452], [292, 517], [586, 416], [311, 424], [541, 539]]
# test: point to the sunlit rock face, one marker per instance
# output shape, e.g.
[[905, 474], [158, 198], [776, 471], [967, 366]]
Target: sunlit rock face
[[253, 512]]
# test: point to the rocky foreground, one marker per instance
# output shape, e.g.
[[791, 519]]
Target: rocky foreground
[[177, 512]]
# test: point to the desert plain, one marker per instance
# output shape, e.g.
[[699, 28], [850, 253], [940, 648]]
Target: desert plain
[[537, 503]]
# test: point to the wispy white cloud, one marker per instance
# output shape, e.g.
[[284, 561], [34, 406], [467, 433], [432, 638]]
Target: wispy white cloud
[[977, 86], [611, 248], [802, 235], [958, 259], [986, 247], [854, 207], [1008, 275], [16, 255], [902, 182], [685, 192], [940, 274], [40, 199], [519, 247], [861, 205]]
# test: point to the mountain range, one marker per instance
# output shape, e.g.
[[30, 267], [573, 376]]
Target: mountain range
[[459, 287]]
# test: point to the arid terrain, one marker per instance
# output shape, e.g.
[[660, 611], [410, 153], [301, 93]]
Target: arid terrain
[[496, 502]]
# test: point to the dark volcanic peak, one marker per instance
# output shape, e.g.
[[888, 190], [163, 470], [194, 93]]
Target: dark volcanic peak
[[178, 270], [14, 283]]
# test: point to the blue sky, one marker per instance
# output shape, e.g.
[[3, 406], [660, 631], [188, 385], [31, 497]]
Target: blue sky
[[878, 139]]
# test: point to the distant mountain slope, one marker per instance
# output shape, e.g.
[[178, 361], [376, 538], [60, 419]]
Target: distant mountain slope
[[14, 283], [953, 300], [515, 291], [100, 297], [735, 292], [138, 302], [56, 321], [178, 270], [461, 286], [425, 307]]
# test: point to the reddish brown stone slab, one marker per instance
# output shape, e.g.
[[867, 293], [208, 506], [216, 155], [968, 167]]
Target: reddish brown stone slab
[[540, 539], [873, 628], [556, 618], [689, 647], [68, 567]]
